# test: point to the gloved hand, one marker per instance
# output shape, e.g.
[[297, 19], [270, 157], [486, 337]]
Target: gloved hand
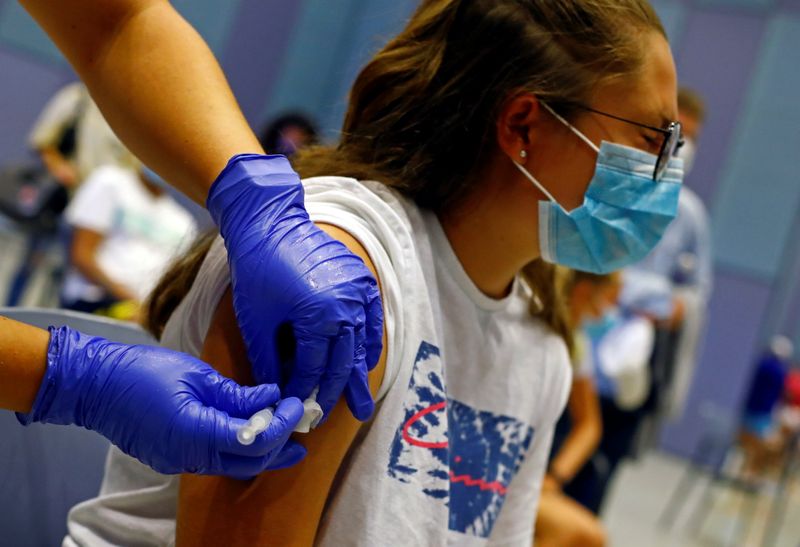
[[167, 409], [286, 270]]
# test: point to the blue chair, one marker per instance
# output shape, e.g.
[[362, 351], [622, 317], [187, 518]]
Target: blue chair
[[46, 469]]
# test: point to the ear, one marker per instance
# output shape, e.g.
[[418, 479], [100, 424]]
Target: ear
[[517, 125]]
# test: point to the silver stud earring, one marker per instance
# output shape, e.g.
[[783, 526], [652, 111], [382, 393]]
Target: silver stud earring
[[523, 154]]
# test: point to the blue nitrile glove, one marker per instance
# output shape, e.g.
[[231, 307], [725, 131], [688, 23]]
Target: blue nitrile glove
[[285, 270], [169, 410]]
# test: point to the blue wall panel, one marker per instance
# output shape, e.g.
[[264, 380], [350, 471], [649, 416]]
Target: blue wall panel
[[211, 18], [673, 16], [760, 192], [253, 55], [721, 377], [19, 31], [376, 23], [26, 88], [747, 4], [710, 39], [313, 58]]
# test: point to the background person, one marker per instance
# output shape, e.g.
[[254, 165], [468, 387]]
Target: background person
[[125, 231], [760, 432], [289, 133], [561, 521], [673, 283]]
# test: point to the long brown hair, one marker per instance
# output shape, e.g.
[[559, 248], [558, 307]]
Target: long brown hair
[[422, 111]]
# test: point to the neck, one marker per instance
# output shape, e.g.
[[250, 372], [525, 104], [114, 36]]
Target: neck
[[490, 242]]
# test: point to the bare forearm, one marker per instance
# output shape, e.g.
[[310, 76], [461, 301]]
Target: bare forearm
[[51, 157], [23, 361], [587, 428], [576, 451], [156, 82], [59, 166]]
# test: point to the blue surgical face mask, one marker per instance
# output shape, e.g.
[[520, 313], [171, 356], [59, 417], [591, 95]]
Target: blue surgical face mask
[[598, 328], [624, 212]]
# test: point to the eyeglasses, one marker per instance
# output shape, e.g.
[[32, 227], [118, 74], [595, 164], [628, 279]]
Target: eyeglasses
[[673, 140]]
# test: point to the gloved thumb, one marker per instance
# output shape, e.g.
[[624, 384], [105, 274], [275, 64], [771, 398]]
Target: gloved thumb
[[239, 401]]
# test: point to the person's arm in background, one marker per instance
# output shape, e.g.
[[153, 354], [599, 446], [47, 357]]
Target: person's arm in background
[[59, 113], [57, 165], [83, 253], [583, 438], [163, 93]]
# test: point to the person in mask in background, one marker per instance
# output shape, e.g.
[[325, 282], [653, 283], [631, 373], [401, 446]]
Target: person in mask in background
[[663, 300], [562, 521], [289, 133], [673, 283]]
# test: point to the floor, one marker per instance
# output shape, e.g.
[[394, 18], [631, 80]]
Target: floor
[[642, 489]]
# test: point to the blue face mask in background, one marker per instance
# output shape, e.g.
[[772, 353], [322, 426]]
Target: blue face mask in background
[[596, 329], [624, 212]]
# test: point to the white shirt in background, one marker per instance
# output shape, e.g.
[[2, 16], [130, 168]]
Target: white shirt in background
[[143, 232], [457, 449]]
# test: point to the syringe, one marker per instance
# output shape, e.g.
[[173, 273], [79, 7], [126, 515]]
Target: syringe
[[258, 422]]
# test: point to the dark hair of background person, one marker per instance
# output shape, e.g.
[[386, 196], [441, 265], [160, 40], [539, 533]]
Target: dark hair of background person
[[421, 114], [272, 136]]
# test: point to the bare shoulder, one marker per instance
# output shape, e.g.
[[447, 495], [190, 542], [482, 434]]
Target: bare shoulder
[[281, 507]]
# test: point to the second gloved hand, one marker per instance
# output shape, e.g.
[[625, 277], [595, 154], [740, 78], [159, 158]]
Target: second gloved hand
[[167, 409], [286, 270]]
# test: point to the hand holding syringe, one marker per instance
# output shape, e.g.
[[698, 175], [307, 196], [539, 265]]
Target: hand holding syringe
[[258, 422]]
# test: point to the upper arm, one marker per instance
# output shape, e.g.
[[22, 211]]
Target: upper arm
[[584, 406], [83, 28], [281, 507]]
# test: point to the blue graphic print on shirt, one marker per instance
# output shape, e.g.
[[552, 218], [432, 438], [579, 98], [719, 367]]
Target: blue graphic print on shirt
[[463, 456]]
